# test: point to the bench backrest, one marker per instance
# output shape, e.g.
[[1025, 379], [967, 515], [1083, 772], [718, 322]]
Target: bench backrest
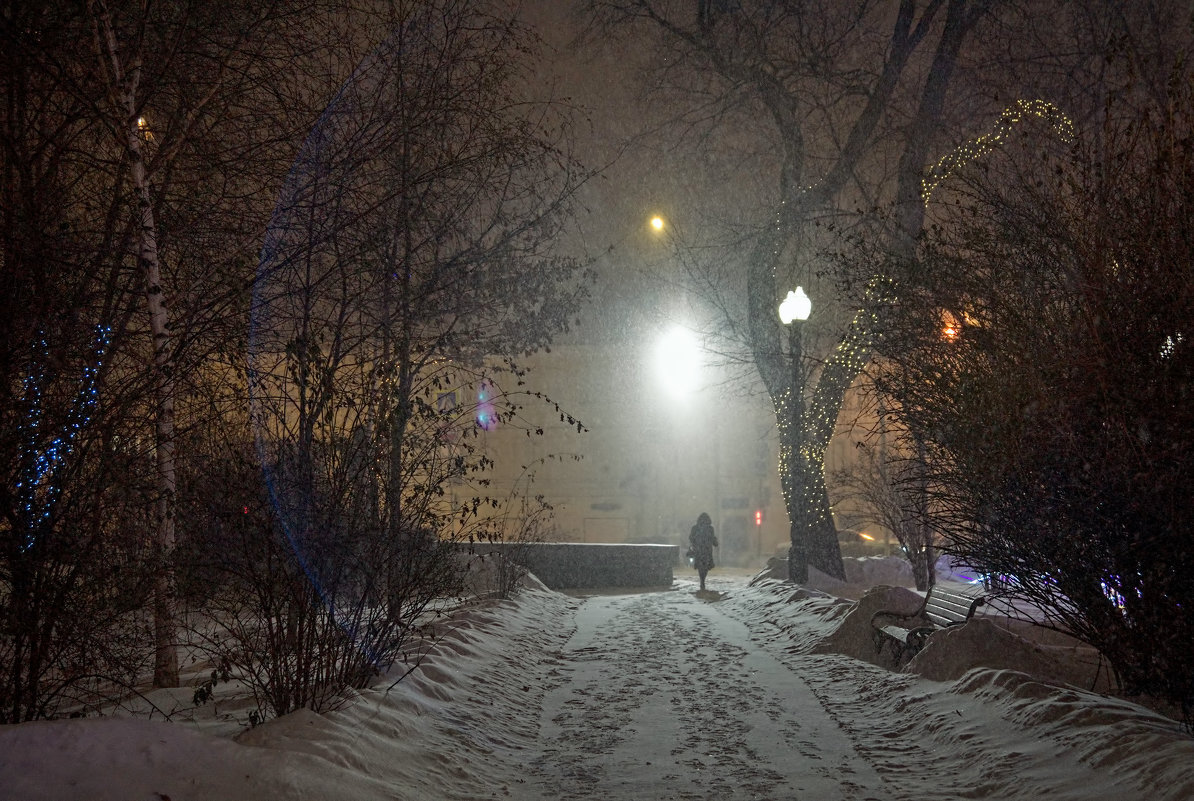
[[944, 607]]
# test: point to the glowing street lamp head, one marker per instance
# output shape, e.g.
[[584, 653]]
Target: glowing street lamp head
[[657, 223], [796, 306]]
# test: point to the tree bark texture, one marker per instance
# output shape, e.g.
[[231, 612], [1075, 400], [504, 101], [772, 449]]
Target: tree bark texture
[[124, 77]]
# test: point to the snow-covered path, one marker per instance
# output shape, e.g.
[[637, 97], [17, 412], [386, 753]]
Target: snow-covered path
[[666, 697], [763, 691]]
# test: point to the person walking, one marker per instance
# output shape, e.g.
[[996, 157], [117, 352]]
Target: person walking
[[701, 542]]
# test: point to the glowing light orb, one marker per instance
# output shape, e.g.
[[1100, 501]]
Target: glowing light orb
[[950, 327], [678, 362], [796, 306], [657, 223], [486, 413]]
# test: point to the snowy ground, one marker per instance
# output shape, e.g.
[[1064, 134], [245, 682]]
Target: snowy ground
[[745, 692]]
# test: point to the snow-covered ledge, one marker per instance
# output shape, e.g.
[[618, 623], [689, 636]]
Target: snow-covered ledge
[[578, 565]]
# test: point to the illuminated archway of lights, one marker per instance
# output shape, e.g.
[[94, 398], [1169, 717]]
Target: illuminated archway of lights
[[852, 353], [976, 148]]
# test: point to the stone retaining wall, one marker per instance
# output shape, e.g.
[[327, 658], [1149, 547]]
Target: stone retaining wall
[[579, 565]]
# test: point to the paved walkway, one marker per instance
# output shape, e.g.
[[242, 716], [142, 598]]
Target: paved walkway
[[662, 696]]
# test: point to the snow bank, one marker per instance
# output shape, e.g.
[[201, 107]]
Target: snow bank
[[984, 642], [131, 760], [884, 584], [992, 709], [491, 574], [995, 708], [471, 707], [862, 573], [1129, 742], [804, 615], [855, 636], [871, 571]]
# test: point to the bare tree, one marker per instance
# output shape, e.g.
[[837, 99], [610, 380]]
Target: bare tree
[[889, 487], [835, 93], [173, 85], [132, 118], [407, 268], [60, 616]]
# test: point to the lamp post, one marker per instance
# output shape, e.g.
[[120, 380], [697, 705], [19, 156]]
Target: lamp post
[[793, 312]]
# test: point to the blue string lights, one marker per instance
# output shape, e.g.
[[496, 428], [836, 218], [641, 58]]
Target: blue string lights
[[44, 453]]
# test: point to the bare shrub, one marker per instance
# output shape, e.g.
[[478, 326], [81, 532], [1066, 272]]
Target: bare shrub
[[1057, 419]]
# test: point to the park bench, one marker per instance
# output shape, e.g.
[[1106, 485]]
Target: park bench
[[943, 607]]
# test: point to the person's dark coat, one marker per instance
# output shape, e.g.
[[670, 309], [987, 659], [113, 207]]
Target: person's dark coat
[[701, 542]]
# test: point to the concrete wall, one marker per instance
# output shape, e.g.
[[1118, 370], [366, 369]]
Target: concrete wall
[[579, 565]]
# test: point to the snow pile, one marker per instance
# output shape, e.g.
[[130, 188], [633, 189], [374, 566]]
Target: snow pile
[[870, 571], [883, 584], [443, 732], [987, 642], [855, 636], [1129, 741], [991, 709], [994, 708], [862, 573], [804, 615], [113, 758], [490, 574]]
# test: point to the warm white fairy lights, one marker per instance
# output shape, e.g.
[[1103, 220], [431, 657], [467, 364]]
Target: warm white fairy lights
[[811, 431], [1169, 346], [805, 434], [976, 148]]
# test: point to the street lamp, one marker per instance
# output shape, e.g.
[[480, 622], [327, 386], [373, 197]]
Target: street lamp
[[796, 306], [678, 362], [793, 312]]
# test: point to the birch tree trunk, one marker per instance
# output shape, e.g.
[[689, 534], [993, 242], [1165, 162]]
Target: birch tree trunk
[[123, 76]]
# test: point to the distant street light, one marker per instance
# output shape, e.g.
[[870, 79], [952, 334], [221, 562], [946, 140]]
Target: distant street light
[[793, 312], [677, 367], [657, 223]]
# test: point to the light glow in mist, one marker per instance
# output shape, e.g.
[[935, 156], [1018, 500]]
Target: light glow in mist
[[678, 362]]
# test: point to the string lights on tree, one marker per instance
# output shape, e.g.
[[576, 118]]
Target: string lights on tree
[[980, 146], [806, 429], [806, 424], [43, 454]]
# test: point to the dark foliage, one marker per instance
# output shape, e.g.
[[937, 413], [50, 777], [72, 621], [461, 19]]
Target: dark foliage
[[1056, 408]]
